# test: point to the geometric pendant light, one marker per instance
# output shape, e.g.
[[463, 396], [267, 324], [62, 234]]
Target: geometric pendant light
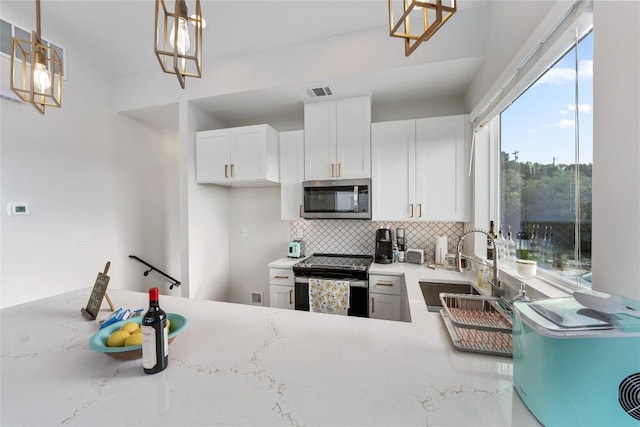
[[419, 20], [178, 38], [36, 70]]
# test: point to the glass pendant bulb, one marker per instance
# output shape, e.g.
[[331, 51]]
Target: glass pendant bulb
[[183, 36], [41, 78]]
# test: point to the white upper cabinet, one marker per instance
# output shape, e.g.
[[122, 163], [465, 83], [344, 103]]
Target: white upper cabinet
[[443, 185], [393, 169], [337, 139], [291, 174], [241, 156], [419, 170]]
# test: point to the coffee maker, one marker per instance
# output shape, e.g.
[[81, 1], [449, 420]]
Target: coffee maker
[[384, 246]]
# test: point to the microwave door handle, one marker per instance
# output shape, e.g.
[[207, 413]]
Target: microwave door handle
[[355, 198]]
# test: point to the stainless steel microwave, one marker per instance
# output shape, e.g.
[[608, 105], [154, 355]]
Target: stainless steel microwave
[[337, 199]]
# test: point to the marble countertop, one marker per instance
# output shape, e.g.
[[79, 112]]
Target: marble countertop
[[247, 365]]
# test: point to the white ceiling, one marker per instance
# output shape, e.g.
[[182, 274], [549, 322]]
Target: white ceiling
[[118, 35]]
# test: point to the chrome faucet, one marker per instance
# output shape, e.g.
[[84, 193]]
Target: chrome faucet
[[496, 287]]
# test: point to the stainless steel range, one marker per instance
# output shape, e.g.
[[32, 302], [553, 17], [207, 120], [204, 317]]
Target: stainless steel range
[[354, 268]]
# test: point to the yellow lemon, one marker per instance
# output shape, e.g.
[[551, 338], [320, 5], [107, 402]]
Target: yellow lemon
[[130, 327], [117, 338], [168, 325], [134, 339]]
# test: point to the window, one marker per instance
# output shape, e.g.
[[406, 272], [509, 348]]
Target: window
[[546, 160]]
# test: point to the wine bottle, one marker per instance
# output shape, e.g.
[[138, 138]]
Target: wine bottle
[[491, 241], [155, 336]]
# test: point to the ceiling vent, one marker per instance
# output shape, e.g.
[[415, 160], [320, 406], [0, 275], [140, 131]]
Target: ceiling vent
[[319, 91]]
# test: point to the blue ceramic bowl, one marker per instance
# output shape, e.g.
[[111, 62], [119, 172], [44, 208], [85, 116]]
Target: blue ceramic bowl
[[98, 342]]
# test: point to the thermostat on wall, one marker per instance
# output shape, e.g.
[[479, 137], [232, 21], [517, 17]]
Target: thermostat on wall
[[18, 208]]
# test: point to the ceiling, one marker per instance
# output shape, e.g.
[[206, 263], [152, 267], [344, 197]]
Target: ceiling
[[118, 36]]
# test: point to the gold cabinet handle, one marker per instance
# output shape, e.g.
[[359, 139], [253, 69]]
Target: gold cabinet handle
[[419, 209], [278, 276], [300, 211], [226, 171], [232, 165], [373, 305], [339, 169], [384, 283], [333, 173], [411, 210], [290, 296]]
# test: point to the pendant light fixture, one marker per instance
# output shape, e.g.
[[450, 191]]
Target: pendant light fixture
[[36, 70], [425, 16], [178, 38]]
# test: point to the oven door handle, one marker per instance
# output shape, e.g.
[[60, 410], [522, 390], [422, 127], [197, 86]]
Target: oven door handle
[[352, 283]]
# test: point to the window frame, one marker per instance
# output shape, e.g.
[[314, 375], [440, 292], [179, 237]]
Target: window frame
[[547, 276]]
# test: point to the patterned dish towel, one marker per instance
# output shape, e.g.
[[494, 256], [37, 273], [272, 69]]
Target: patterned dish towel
[[329, 296]]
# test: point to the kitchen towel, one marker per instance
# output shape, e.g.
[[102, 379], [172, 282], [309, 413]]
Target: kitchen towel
[[441, 249], [329, 296]]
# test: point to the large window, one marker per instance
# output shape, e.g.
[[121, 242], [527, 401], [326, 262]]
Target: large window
[[546, 160]]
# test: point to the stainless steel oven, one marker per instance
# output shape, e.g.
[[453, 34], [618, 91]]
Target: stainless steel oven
[[337, 199], [353, 268]]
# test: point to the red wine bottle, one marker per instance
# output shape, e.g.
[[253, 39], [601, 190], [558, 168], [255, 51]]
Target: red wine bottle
[[155, 336]]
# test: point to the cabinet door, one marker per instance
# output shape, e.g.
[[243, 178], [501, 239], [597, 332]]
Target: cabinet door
[[383, 306], [320, 140], [291, 174], [392, 169], [281, 297], [212, 156], [353, 138], [249, 153], [441, 178]]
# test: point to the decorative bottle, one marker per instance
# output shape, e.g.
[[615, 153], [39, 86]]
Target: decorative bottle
[[511, 249], [522, 251], [490, 242]]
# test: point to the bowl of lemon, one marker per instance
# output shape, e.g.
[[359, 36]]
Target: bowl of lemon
[[123, 340]]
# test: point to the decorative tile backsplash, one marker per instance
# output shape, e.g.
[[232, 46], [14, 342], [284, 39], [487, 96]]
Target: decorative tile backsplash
[[342, 236]]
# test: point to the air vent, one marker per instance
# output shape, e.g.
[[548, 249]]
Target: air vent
[[9, 30], [629, 395], [319, 91]]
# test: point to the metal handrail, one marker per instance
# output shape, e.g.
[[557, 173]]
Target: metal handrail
[[153, 268]]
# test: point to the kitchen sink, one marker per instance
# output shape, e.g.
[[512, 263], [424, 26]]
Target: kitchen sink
[[431, 292]]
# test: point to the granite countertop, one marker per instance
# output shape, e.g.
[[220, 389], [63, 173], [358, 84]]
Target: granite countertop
[[246, 365]]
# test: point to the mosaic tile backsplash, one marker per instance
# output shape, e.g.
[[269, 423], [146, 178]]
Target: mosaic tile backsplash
[[359, 236]]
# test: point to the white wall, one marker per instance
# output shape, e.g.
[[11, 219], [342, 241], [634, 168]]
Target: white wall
[[518, 19], [257, 237], [616, 151], [101, 186], [204, 218]]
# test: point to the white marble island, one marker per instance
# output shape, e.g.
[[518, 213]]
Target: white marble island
[[247, 365]]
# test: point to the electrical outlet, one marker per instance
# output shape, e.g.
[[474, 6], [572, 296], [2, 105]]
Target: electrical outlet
[[299, 234], [245, 232]]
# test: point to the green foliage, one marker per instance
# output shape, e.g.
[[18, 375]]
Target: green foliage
[[537, 192]]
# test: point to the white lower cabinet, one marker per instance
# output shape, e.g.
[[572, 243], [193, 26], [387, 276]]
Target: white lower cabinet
[[281, 296], [281, 285], [387, 307], [384, 297]]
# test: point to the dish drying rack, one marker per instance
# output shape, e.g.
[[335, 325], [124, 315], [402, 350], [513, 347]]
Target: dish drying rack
[[478, 323]]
